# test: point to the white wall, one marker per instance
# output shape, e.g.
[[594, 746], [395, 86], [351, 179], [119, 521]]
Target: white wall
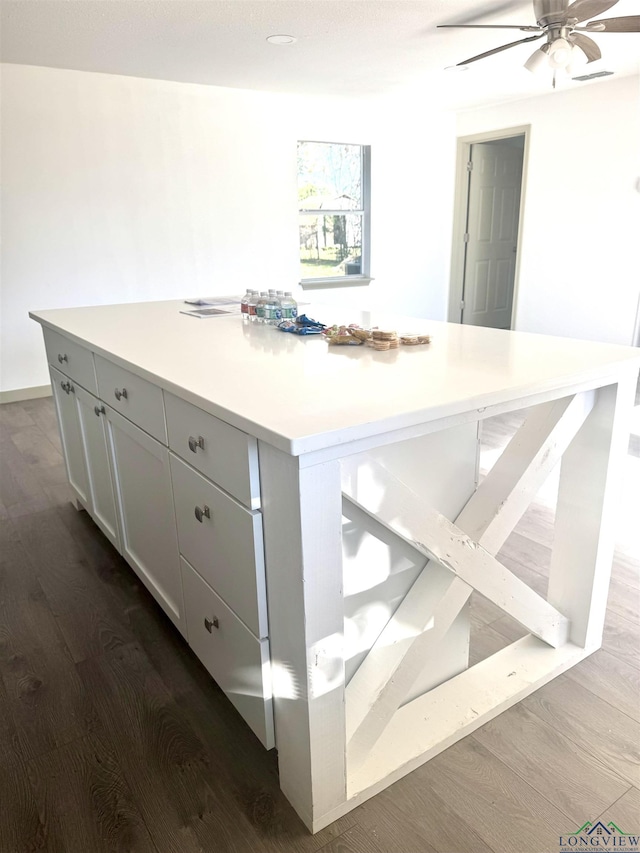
[[122, 189], [579, 270]]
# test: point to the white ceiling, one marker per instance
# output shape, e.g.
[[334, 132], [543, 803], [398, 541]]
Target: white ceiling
[[350, 48]]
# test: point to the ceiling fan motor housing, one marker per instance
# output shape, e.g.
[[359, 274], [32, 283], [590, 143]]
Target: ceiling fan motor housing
[[550, 12]]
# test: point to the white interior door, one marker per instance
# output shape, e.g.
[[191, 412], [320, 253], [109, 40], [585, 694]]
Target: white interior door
[[492, 233]]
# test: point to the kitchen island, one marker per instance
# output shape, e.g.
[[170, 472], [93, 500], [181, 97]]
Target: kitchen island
[[310, 518]]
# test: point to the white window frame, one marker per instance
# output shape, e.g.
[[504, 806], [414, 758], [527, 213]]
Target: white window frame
[[364, 277]]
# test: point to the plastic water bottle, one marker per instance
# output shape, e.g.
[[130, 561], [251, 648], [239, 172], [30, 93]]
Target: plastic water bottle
[[244, 305], [289, 307], [251, 306], [261, 305], [268, 308], [273, 309]]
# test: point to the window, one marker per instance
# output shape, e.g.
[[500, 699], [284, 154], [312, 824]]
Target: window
[[334, 212]]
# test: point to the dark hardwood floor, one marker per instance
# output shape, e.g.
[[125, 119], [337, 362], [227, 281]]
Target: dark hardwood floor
[[114, 738]]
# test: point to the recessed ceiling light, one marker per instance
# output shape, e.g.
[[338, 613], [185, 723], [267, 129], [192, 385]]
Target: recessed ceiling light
[[281, 39], [456, 68]]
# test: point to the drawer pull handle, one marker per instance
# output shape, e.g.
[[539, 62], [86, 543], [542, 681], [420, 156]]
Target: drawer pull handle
[[211, 623], [195, 443], [67, 387], [202, 513], [62, 358], [99, 410], [119, 394]]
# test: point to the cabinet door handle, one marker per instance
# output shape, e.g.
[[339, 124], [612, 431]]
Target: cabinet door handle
[[99, 410], [62, 358], [201, 513], [195, 443], [211, 623], [67, 387], [119, 394]]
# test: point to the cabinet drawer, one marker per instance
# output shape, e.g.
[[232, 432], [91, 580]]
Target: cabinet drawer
[[223, 453], [135, 398], [223, 541], [71, 358], [232, 655]]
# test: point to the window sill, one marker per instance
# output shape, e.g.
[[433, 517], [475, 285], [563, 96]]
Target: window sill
[[326, 283]]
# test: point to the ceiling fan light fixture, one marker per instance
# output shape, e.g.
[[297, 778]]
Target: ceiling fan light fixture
[[560, 53], [539, 60], [577, 62]]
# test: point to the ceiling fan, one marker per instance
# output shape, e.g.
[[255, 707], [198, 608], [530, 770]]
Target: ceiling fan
[[566, 43]]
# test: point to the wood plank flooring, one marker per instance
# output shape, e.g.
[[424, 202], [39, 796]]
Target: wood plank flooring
[[114, 738]]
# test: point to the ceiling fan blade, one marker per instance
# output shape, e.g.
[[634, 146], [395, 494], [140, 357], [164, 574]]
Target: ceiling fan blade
[[587, 46], [630, 24], [583, 9], [499, 49], [527, 28]]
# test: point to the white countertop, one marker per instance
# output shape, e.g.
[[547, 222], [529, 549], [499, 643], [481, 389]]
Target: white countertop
[[300, 394]]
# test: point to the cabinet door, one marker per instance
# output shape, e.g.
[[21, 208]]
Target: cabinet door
[[65, 397], [147, 522], [100, 476]]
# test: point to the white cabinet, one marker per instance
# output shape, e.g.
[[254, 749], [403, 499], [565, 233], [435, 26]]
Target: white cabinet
[[65, 397], [223, 572], [147, 521], [102, 499], [85, 451], [191, 532]]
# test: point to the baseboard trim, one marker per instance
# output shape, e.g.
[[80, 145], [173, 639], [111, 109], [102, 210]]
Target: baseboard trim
[[20, 394]]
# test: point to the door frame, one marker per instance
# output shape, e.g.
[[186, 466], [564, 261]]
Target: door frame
[[461, 201], [635, 338]]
